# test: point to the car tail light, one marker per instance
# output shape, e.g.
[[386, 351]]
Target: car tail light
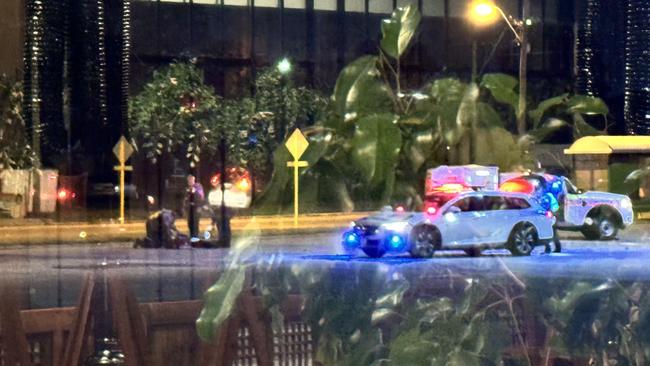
[[64, 194], [244, 184]]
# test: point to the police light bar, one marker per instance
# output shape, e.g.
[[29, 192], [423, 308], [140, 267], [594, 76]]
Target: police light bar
[[462, 177]]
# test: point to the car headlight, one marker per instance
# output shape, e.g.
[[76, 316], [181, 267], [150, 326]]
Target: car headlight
[[395, 226], [626, 203]]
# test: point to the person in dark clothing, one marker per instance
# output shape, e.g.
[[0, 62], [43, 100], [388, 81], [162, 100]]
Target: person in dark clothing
[[194, 200]]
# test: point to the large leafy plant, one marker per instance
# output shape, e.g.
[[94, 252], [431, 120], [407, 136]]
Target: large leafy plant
[[564, 111], [378, 139]]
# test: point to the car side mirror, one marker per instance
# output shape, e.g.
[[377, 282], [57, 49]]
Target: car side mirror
[[453, 209]]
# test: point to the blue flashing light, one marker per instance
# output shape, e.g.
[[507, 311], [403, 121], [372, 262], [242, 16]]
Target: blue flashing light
[[351, 239], [556, 187], [396, 242]]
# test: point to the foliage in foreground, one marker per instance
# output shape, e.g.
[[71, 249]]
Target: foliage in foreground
[[390, 314]]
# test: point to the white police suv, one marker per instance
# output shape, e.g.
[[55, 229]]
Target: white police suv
[[469, 221]]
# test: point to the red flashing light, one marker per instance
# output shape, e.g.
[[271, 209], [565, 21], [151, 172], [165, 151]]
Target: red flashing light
[[399, 209], [449, 188], [549, 214], [517, 185], [431, 210], [215, 180], [64, 194]]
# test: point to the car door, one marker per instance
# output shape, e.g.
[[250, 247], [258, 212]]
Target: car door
[[498, 219], [461, 221]]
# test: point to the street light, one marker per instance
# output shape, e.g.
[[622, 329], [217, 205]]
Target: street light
[[284, 66], [485, 12]]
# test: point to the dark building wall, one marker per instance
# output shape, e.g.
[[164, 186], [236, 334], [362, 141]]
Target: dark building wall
[[12, 33], [232, 42], [637, 67]]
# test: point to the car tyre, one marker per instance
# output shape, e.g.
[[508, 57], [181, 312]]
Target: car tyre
[[603, 227], [523, 239], [374, 252], [425, 239], [473, 252]]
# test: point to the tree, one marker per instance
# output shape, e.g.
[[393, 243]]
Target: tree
[[15, 152]]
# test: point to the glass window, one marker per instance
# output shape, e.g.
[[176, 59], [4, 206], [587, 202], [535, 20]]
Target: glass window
[[551, 11], [434, 8], [294, 4], [401, 3], [380, 6], [470, 204], [495, 203], [458, 8], [325, 5], [266, 3], [516, 203], [511, 7], [355, 6], [209, 2], [236, 2]]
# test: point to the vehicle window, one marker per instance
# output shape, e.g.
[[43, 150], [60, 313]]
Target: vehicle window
[[437, 200], [516, 203], [494, 203], [570, 188], [469, 204]]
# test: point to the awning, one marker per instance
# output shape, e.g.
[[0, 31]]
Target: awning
[[609, 145]]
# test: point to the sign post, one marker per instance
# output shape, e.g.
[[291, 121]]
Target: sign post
[[122, 151], [296, 144]]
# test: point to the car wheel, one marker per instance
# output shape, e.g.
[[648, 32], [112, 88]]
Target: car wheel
[[603, 227], [473, 252], [374, 252], [523, 239], [425, 240]]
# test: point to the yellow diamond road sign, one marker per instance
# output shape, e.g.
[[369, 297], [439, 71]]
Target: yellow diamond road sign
[[122, 150], [297, 144]]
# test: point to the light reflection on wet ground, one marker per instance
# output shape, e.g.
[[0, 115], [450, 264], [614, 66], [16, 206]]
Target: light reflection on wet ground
[[52, 274]]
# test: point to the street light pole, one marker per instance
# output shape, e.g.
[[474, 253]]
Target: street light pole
[[523, 68], [483, 12]]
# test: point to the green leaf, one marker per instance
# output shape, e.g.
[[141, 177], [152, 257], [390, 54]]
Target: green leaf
[[502, 87], [447, 89], [220, 300], [548, 128], [488, 116], [375, 147], [419, 148], [463, 358], [398, 31], [468, 109], [584, 104], [537, 114], [581, 128], [496, 146], [359, 91]]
